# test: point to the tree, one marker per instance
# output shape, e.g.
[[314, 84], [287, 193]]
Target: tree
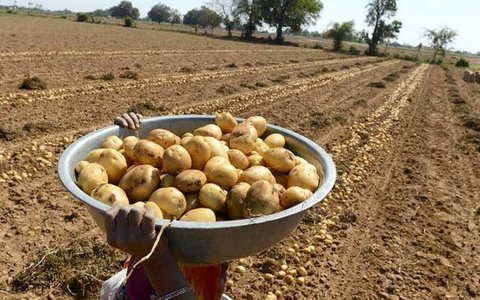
[[340, 32], [289, 13], [102, 13], [439, 39], [378, 12], [228, 11], [125, 9], [202, 17], [160, 13], [419, 48], [249, 14], [175, 17], [391, 32]]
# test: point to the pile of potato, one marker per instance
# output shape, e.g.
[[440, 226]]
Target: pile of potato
[[220, 171]]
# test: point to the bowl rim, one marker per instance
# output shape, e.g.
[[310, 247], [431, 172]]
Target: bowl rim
[[328, 183]]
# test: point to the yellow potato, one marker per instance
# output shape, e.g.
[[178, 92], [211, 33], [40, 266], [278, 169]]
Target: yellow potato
[[301, 161], [244, 137], [80, 165], [262, 199], [213, 162], [167, 180], [171, 201], [225, 175], [187, 134], [294, 195], [199, 215], [238, 159], [225, 121], [91, 176], [216, 147], [140, 182], [226, 138], [149, 153], [275, 140], [281, 178], [213, 196], [128, 160], [260, 124], [110, 194], [190, 181], [209, 130], [192, 201], [280, 159], [139, 204], [112, 142], [128, 145], [163, 138], [154, 207], [176, 159], [260, 147], [257, 173], [256, 160], [94, 155], [185, 140], [280, 189], [114, 163], [235, 200], [304, 176], [199, 151]]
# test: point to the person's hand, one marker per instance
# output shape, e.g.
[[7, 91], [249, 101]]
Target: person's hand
[[129, 120], [132, 230]]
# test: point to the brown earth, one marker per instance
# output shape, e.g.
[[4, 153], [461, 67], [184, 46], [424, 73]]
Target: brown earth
[[402, 222]]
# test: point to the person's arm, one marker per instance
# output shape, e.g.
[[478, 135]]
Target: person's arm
[[132, 230], [129, 120]]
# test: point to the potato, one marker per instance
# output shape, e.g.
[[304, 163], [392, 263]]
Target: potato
[[244, 137], [260, 147], [238, 159], [199, 151], [163, 138], [225, 175], [280, 159], [293, 196], [187, 134], [262, 199], [149, 153], [239, 172], [199, 215], [304, 176], [213, 162], [91, 176], [154, 207], [225, 121], [280, 189], [226, 138], [114, 163], [260, 124], [140, 182], [275, 140], [128, 145], [94, 155], [170, 200], [235, 200], [176, 159], [256, 160], [80, 165], [209, 130], [257, 173], [139, 204], [281, 178], [190, 181], [185, 140], [112, 142], [216, 147], [128, 160], [167, 180], [301, 161], [213, 196], [110, 194], [192, 201]]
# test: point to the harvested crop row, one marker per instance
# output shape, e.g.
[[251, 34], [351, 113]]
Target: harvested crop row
[[161, 81]]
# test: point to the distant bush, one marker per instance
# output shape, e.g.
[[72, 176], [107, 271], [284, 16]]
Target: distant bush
[[317, 46], [82, 17], [462, 63], [409, 57], [63, 17], [11, 11], [130, 22], [353, 50], [33, 83], [108, 76], [396, 55], [129, 75]]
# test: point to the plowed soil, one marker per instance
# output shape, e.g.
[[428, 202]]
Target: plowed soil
[[402, 222]]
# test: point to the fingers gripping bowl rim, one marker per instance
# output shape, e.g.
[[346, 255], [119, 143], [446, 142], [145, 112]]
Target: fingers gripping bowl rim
[[201, 242]]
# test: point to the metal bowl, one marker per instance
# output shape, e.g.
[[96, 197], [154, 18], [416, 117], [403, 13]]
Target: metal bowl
[[202, 242]]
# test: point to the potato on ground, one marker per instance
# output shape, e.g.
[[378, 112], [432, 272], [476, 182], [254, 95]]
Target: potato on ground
[[244, 137], [176, 159], [190, 181], [199, 151], [114, 163], [170, 200], [91, 176], [199, 215], [235, 200], [209, 130], [275, 140], [110, 194], [213, 196], [149, 205], [280, 159], [148, 153], [260, 124], [262, 199], [128, 145], [293, 196], [304, 176], [112, 142], [216, 147], [257, 173], [163, 138], [238, 159], [140, 182], [225, 121]]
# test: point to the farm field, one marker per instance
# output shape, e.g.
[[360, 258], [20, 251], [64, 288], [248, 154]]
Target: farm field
[[402, 222]]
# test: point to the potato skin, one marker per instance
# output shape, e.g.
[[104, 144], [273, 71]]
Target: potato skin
[[244, 137], [148, 153], [275, 140], [213, 196], [235, 200], [214, 162], [163, 138], [225, 175], [114, 163], [260, 147], [110, 194], [140, 182], [170, 200], [293, 196], [80, 165], [167, 180], [128, 145], [91, 176], [199, 151], [112, 142], [209, 130], [192, 201], [190, 181], [256, 160], [280, 159], [176, 159], [260, 124], [238, 159], [93, 155], [304, 176], [225, 121], [201, 214], [262, 199], [154, 207], [216, 147], [257, 173]]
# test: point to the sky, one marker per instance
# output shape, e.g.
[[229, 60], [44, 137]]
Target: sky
[[416, 15]]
